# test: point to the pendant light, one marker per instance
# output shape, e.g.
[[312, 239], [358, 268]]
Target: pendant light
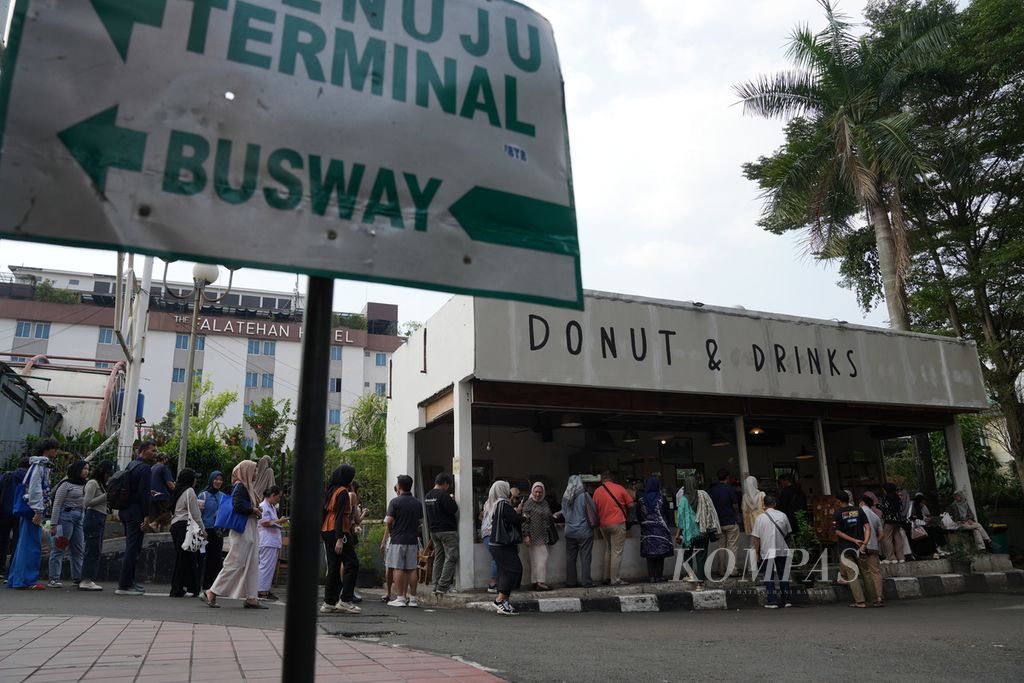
[[804, 454]]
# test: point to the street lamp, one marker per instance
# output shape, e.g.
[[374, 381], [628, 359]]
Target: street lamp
[[203, 275]]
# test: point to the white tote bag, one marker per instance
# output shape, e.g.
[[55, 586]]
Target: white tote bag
[[193, 537]]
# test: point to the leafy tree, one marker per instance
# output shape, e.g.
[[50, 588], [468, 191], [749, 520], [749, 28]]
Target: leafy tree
[[850, 147], [269, 421], [45, 291], [409, 327], [367, 423]]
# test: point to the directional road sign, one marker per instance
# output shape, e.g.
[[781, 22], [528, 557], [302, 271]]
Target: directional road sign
[[415, 142]]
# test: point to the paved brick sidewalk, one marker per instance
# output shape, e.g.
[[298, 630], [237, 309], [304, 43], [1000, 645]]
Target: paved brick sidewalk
[[49, 649]]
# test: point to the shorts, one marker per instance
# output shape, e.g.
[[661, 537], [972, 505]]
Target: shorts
[[401, 557]]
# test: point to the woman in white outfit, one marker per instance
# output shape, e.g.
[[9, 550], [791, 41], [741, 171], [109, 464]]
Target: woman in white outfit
[[240, 576], [270, 540]]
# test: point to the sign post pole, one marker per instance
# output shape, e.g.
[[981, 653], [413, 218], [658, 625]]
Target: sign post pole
[[307, 486]]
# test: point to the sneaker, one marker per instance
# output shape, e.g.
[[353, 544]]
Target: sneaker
[[129, 591], [505, 607], [328, 608], [492, 589], [89, 586], [771, 606], [356, 598], [347, 608], [398, 602], [412, 601], [788, 604], [618, 582], [139, 587], [54, 583]]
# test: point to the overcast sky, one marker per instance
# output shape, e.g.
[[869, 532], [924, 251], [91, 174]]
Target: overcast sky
[[657, 142]]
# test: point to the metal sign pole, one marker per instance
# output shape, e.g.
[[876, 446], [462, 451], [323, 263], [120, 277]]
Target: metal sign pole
[[307, 487]]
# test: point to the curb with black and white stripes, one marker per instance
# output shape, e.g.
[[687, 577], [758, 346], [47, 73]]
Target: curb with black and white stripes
[[898, 588]]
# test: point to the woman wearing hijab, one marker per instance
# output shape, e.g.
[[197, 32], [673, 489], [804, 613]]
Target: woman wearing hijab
[[185, 508], [336, 532], [688, 532], [655, 539], [95, 523], [210, 501], [964, 517], [67, 521], [240, 576], [922, 544], [506, 532], [579, 535], [24, 572], [486, 516], [753, 503], [535, 534]]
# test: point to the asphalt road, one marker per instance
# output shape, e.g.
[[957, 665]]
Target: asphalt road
[[974, 637]]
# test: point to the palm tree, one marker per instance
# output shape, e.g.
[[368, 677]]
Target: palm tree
[[850, 146]]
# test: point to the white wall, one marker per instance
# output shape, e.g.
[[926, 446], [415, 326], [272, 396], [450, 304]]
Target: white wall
[[288, 362], [73, 340], [158, 361], [224, 365]]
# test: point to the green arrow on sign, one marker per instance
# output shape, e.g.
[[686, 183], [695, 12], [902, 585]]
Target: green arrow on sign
[[119, 16], [499, 217], [98, 144]]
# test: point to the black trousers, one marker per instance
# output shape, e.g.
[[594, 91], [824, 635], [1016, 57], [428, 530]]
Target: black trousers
[[335, 586], [185, 578], [132, 550], [8, 539], [214, 561], [510, 567], [656, 567]]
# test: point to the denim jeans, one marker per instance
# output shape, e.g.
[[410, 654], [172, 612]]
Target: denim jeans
[[132, 550], [493, 580], [71, 527], [772, 569], [95, 525]]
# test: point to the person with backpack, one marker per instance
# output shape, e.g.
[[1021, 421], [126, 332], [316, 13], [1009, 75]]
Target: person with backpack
[[9, 522], [129, 493], [67, 522], [580, 515], [210, 501], [29, 505], [95, 524]]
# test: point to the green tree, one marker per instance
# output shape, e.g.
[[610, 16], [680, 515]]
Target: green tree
[[269, 420], [850, 145], [366, 427], [45, 291]]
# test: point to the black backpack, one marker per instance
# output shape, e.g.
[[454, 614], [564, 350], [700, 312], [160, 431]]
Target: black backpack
[[119, 488]]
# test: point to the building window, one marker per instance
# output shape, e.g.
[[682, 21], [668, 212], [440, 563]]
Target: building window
[[251, 380], [72, 282], [42, 331], [335, 353], [201, 342], [181, 341], [269, 348], [254, 347], [366, 385], [24, 329], [247, 410], [19, 359], [198, 375], [267, 381], [178, 375], [334, 416], [173, 408], [382, 360], [380, 388], [102, 364], [334, 385], [106, 335], [366, 353]]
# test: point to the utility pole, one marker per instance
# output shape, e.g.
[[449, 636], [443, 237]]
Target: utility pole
[[130, 403], [186, 407]]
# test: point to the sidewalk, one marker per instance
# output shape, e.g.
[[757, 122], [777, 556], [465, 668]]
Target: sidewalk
[[50, 649]]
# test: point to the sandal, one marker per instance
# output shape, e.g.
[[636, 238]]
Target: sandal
[[254, 605], [859, 605], [878, 603], [205, 597]]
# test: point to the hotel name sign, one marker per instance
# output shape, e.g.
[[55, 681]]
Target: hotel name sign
[[667, 346], [251, 329]]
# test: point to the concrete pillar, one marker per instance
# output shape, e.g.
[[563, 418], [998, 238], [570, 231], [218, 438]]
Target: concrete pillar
[[462, 468], [819, 439], [741, 446], [958, 463]]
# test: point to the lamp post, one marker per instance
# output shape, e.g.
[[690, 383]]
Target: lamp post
[[203, 275]]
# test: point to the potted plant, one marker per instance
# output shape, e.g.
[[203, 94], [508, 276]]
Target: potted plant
[[960, 557]]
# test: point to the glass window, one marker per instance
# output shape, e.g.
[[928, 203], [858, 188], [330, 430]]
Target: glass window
[[102, 364], [335, 353], [198, 374], [42, 330], [72, 282], [201, 342], [269, 348], [251, 379], [19, 359], [173, 408], [254, 347], [24, 329], [334, 385], [181, 341], [380, 388], [106, 335], [248, 409], [267, 381], [178, 375], [382, 359], [334, 416]]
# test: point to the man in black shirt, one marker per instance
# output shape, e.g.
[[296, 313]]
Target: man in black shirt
[[135, 517], [443, 521], [853, 530]]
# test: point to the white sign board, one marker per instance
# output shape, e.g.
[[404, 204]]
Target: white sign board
[[415, 142], [650, 345]]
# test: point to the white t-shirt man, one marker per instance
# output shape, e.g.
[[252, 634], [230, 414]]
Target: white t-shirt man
[[773, 543]]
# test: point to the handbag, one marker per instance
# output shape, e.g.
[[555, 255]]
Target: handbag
[[503, 531], [227, 518], [552, 534], [21, 507], [193, 537], [918, 532], [593, 520]]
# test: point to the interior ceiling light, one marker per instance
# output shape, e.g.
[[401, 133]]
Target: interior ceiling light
[[631, 436], [571, 420], [663, 439], [804, 454], [756, 431]]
